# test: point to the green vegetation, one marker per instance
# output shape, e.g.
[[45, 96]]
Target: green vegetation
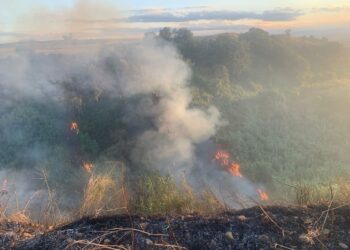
[[284, 101]]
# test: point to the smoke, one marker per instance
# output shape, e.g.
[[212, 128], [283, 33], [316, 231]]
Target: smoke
[[151, 71], [81, 18], [156, 70], [163, 131]]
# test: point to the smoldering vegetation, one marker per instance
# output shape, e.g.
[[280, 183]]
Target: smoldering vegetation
[[138, 124], [137, 95]]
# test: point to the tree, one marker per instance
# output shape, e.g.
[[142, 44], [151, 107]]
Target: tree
[[165, 34], [182, 35]]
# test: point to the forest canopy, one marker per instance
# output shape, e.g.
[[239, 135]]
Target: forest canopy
[[283, 102]]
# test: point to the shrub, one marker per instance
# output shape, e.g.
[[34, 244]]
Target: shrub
[[105, 193]]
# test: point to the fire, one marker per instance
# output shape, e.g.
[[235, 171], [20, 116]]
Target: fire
[[263, 195], [88, 167], [223, 157], [74, 127], [234, 170], [232, 167]]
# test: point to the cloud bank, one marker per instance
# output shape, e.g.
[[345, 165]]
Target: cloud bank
[[167, 16]]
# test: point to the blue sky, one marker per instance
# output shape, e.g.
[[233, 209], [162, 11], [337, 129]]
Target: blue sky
[[237, 4]]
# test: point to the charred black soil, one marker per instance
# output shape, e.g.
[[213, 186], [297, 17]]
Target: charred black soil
[[271, 227]]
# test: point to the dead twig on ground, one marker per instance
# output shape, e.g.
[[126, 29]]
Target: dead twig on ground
[[92, 242], [272, 220], [268, 216], [276, 245], [325, 212], [328, 209], [171, 246], [89, 243], [119, 229]]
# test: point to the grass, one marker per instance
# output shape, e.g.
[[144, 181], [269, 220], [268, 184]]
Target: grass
[[157, 194], [48, 211], [319, 193], [103, 195], [107, 192]]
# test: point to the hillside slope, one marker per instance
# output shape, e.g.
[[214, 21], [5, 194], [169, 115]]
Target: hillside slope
[[274, 227]]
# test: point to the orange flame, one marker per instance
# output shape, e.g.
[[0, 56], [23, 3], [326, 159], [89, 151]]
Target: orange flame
[[263, 195], [222, 157], [234, 170], [88, 167], [74, 127]]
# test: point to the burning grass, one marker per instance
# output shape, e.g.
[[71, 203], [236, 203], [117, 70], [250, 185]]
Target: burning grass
[[203, 216], [173, 215], [103, 196], [108, 191], [223, 158], [74, 127]]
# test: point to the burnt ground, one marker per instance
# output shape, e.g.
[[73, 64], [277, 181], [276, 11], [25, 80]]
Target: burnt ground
[[273, 227]]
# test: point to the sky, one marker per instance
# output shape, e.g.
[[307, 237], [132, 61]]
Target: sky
[[85, 19]]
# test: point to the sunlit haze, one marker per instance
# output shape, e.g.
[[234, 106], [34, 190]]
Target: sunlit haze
[[51, 19], [175, 124]]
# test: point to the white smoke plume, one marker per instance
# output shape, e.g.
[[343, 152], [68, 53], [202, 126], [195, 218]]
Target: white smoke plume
[[157, 69], [151, 69]]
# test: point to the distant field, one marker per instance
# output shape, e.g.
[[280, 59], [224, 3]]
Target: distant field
[[58, 46]]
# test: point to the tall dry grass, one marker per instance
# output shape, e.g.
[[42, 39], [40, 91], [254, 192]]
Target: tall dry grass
[[322, 193], [108, 191], [104, 195]]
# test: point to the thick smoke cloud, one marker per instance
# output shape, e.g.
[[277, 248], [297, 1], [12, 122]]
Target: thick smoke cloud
[[157, 69], [170, 136], [151, 70]]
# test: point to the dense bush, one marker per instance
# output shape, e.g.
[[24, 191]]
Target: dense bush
[[284, 100]]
